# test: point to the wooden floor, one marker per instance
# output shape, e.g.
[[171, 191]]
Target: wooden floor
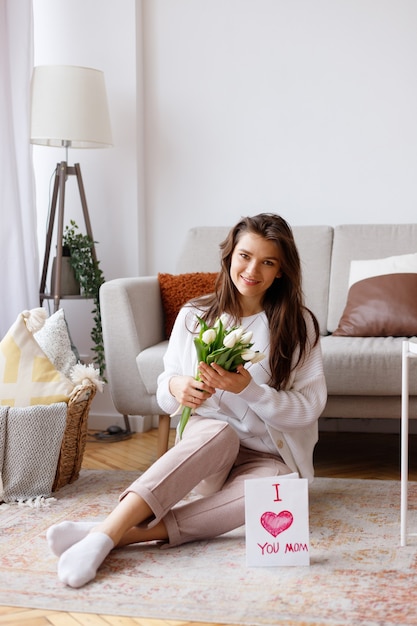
[[338, 455]]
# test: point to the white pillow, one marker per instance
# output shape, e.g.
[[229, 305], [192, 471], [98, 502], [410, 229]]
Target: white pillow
[[402, 264], [55, 341]]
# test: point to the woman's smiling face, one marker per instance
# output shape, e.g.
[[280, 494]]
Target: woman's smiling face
[[254, 266]]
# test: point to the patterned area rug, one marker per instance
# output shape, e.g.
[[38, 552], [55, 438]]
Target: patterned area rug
[[358, 572]]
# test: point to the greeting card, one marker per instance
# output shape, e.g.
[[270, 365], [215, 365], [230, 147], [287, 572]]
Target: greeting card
[[277, 521]]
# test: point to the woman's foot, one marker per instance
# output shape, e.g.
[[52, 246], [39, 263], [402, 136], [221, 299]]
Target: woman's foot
[[79, 564], [62, 536]]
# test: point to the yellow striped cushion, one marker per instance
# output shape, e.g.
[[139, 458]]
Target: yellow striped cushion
[[27, 376]]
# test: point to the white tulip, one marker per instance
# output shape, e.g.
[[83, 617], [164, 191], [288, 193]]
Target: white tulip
[[258, 357], [231, 339], [223, 319], [248, 355], [209, 336], [247, 336], [239, 332]]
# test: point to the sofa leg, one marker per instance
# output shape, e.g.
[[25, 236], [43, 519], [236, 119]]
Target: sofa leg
[[163, 434]]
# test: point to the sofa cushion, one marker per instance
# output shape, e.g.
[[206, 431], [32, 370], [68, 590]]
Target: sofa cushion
[[201, 253], [150, 363], [381, 306], [314, 245], [353, 366], [381, 299], [201, 249], [360, 242], [177, 289], [400, 264], [365, 366]]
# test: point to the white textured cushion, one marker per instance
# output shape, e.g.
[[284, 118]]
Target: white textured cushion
[[55, 341]]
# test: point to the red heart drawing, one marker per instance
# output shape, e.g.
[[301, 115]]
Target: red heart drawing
[[276, 523]]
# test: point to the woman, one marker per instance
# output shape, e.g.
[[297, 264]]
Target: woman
[[258, 421]]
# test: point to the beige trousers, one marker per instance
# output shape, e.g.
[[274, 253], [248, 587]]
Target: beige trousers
[[209, 459]]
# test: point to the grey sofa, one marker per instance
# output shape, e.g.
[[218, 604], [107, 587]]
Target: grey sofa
[[363, 373]]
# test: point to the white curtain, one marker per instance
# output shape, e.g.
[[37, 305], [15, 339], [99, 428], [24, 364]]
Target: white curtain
[[19, 266]]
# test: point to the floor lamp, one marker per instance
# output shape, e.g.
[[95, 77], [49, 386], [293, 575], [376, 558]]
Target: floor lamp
[[69, 110]]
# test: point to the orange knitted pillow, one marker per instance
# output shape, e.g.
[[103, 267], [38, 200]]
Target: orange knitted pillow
[[177, 289]]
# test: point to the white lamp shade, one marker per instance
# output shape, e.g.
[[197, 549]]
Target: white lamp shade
[[69, 107]]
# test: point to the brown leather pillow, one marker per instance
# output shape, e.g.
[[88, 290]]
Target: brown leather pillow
[[381, 306], [177, 289]]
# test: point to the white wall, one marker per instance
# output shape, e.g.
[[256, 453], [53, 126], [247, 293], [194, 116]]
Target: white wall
[[302, 107]]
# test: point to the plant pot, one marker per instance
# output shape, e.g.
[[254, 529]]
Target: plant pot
[[69, 284]]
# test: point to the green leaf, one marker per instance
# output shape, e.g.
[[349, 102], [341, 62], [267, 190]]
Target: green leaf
[[201, 349], [90, 276]]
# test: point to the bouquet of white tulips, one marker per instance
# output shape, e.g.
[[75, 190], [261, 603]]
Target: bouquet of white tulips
[[226, 347]]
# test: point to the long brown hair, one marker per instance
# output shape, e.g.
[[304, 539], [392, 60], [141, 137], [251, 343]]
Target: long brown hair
[[283, 301]]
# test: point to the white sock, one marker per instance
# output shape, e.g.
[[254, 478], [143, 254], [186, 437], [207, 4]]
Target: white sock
[[62, 536], [79, 564]]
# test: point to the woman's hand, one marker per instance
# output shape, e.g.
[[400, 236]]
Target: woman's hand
[[216, 376], [190, 392]]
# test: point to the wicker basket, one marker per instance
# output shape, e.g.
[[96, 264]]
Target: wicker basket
[[75, 436]]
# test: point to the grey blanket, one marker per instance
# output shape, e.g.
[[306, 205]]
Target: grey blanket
[[30, 442]]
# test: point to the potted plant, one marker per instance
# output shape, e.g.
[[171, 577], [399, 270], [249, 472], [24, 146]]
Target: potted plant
[[90, 277]]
